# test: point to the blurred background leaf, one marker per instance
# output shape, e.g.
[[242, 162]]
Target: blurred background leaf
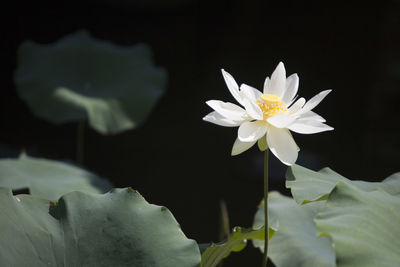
[[363, 225], [48, 179], [307, 185], [115, 229], [295, 243], [80, 77], [358, 220]]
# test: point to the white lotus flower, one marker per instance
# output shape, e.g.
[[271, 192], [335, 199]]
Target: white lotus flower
[[269, 115]]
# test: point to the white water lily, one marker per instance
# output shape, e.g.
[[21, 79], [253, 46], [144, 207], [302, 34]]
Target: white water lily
[[269, 115]]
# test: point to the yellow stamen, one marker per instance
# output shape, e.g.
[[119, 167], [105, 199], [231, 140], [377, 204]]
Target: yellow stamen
[[271, 105], [271, 99]]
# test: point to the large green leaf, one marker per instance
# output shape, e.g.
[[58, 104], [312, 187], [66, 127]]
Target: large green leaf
[[295, 243], [364, 226], [212, 253], [80, 77], [307, 185], [115, 229], [392, 184], [48, 179]]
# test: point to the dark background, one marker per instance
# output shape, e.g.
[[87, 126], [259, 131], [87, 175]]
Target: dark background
[[177, 160]]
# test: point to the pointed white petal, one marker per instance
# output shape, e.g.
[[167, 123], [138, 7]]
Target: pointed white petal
[[282, 145], [228, 110], [277, 84], [311, 115], [309, 127], [266, 85], [216, 118], [281, 120], [314, 101], [251, 131], [297, 106], [239, 146], [249, 92], [292, 85], [232, 86], [293, 100], [253, 109]]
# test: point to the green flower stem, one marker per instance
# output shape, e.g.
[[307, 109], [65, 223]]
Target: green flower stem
[[80, 142], [266, 229]]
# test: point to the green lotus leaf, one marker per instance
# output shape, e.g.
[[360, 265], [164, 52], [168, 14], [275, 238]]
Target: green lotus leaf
[[307, 185], [80, 77], [48, 179], [214, 253], [363, 225], [392, 184], [295, 243], [119, 228]]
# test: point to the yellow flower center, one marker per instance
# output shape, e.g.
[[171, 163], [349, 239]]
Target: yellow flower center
[[271, 105]]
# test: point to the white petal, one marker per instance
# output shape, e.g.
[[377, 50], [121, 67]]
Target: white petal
[[251, 131], [277, 84], [311, 115], [292, 85], [249, 92], [239, 146], [232, 86], [216, 118], [314, 101], [282, 145], [228, 110], [309, 127], [281, 120], [253, 109], [266, 85], [297, 105]]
